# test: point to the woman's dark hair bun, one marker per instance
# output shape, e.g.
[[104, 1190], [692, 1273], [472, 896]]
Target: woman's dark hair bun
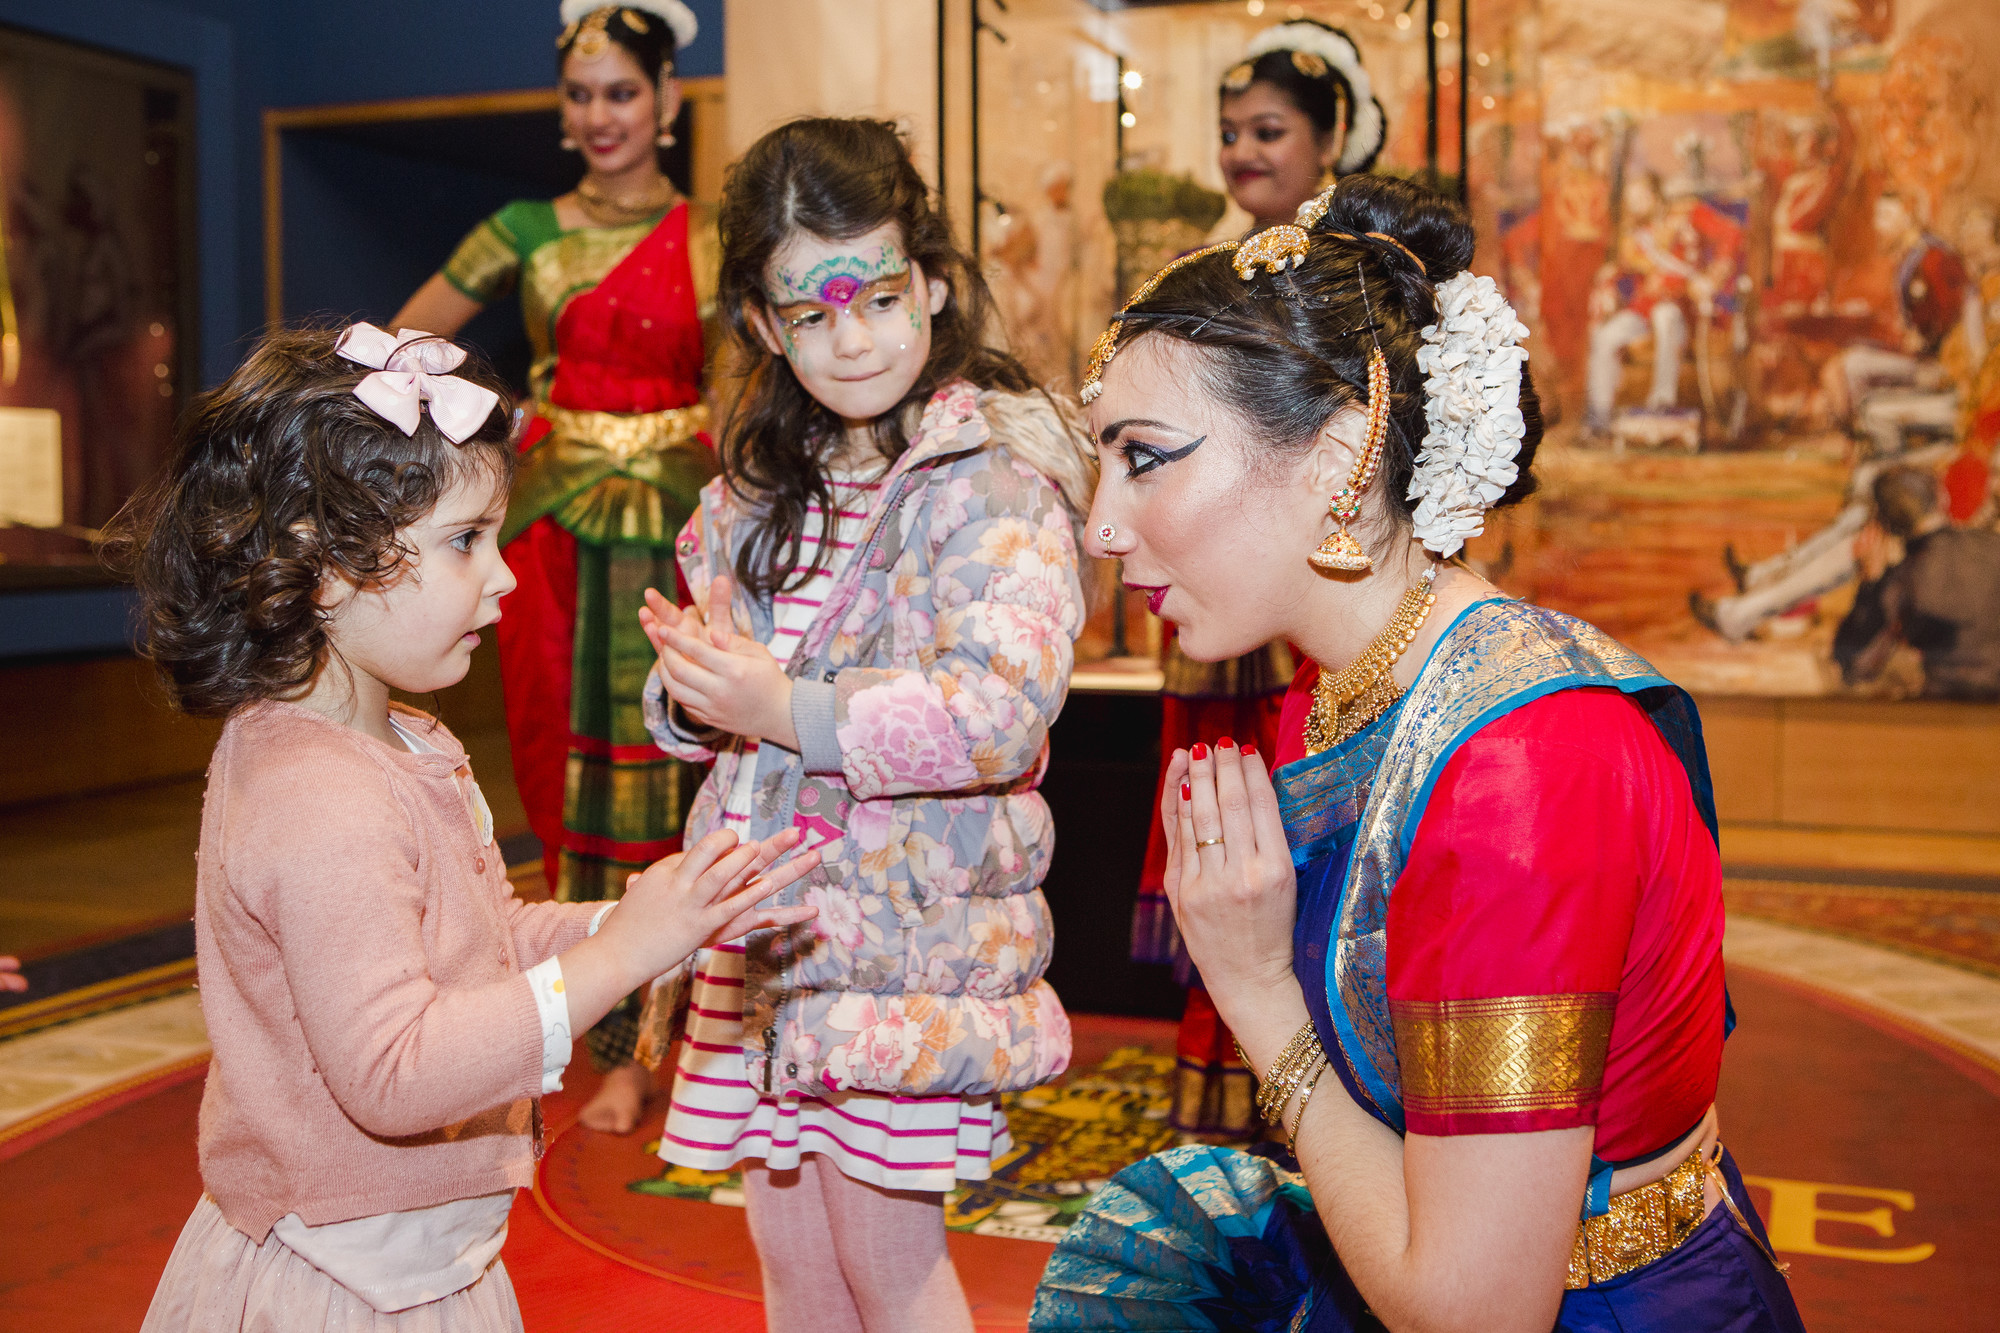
[[1429, 225], [1288, 349]]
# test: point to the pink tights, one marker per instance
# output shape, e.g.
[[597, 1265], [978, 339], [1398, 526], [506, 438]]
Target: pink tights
[[840, 1256]]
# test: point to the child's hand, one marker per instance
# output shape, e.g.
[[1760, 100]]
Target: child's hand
[[722, 678], [706, 895], [10, 974]]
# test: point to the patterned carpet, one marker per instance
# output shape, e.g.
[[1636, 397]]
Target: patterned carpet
[[1865, 1012], [1068, 1137], [1945, 925]]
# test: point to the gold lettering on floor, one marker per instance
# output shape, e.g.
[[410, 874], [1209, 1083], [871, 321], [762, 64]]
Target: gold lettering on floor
[[1795, 1213]]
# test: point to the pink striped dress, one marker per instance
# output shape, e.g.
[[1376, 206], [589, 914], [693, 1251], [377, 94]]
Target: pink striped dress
[[716, 1117]]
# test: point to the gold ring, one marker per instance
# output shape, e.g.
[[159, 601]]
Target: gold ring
[[1209, 842]]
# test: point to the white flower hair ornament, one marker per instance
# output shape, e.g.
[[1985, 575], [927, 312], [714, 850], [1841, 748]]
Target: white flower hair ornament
[[1472, 405], [1367, 124], [676, 15]]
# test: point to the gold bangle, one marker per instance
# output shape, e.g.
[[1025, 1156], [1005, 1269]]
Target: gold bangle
[[1305, 1095], [1282, 1079]]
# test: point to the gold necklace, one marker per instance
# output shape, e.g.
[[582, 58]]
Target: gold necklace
[[609, 210], [1347, 700]]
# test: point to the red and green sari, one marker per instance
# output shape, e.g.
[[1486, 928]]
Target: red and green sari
[[612, 464]]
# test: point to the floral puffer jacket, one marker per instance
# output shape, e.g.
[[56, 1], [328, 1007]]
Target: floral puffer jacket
[[923, 694]]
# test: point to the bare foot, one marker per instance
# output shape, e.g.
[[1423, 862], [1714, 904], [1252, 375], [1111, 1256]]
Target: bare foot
[[620, 1100]]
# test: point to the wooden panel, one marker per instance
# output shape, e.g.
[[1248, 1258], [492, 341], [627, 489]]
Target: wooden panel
[[1912, 766], [1743, 757], [100, 725], [90, 726]]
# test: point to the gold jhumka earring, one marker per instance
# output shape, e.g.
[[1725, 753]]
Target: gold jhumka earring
[[1340, 551]]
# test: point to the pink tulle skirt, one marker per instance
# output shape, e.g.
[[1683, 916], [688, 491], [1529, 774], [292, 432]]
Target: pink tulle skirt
[[219, 1280]]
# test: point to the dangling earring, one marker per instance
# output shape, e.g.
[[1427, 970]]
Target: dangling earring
[[1340, 551], [665, 139], [568, 144]]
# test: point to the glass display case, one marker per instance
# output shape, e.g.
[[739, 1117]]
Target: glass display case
[[97, 293]]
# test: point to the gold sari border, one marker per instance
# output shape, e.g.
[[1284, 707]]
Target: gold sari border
[[1503, 1054]]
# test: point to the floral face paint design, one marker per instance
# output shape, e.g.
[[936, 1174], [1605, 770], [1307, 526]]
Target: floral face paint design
[[838, 280], [852, 318]]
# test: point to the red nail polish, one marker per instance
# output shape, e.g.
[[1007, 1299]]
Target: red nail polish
[[1249, 750], [1187, 792], [1226, 743], [1200, 751]]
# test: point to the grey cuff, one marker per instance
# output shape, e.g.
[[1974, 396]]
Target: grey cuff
[[812, 719]]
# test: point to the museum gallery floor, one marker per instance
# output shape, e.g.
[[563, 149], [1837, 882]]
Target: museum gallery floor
[[1859, 1092]]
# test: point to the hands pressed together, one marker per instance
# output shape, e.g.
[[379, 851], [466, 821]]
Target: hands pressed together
[[720, 678], [1230, 881]]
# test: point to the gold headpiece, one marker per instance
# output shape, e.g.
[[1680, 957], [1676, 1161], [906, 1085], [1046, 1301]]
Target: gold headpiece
[[1274, 249], [1106, 345], [1308, 64], [1239, 76], [587, 37]]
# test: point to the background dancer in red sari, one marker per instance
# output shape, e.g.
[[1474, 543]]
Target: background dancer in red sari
[[615, 280], [1297, 111]]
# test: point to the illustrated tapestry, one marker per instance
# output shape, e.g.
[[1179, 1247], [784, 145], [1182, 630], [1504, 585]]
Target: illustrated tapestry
[[1756, 240]]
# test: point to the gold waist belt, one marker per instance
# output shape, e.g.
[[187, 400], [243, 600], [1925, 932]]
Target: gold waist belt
[[1644, 1224], [627, 435]]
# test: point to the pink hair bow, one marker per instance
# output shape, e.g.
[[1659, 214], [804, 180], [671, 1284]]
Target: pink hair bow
[[411, 369]]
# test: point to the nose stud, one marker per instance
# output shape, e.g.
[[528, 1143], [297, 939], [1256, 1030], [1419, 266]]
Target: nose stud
[[1107, 534]]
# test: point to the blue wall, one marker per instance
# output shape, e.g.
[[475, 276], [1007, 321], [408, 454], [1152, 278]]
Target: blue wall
[[250, 54], [247, 55]]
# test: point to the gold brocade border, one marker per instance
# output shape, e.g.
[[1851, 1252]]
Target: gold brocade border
[[1507, 1053]]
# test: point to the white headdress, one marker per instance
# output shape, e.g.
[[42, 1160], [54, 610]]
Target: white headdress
[[1472, 405], [1364, 135], [677, 15]]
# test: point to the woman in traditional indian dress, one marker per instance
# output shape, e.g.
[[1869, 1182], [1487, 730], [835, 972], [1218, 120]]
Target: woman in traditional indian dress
[[616, 280], [1478, 880], [1297, 112]]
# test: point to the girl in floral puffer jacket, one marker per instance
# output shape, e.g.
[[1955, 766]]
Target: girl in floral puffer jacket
[[887, 571]]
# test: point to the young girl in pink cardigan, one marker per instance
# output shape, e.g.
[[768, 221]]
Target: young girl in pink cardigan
[[385, 1015]]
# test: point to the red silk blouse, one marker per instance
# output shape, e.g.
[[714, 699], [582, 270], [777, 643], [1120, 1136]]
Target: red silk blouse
[[1555, 937]]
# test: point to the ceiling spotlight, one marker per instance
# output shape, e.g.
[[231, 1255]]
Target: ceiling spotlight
[[1134, 79], [1127, 119]]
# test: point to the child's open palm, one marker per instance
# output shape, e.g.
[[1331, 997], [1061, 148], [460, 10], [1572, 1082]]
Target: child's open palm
[[721, 678]]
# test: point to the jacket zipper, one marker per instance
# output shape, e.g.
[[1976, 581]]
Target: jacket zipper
[[865, 554]]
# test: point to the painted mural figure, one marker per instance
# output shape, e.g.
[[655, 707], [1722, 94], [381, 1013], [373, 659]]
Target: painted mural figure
[[1667, 277], [616, 280], [1900, 403], [1942, 598], [1892, 387], [1809, 188]]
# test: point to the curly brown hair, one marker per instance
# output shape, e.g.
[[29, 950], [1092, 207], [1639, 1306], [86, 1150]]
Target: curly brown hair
[[280, 478]]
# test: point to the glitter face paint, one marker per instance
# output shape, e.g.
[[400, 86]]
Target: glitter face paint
[[852, 318]]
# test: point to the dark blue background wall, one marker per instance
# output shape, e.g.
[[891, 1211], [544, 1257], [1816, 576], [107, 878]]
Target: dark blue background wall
[[247, 55]]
